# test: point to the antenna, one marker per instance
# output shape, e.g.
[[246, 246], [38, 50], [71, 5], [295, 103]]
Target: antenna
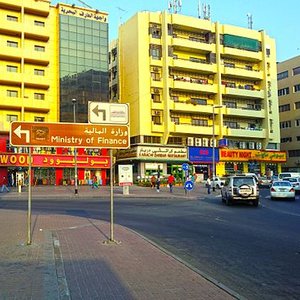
[[206, 11], [199, 12], [121, 10], [85, 4], [174, 6], [250, 21]]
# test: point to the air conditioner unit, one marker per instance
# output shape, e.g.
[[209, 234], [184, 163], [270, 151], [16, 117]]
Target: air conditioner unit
[[198, 142], [258, 145], [242, 145], [155, 69], [205, 142], [157, 112], [156, 91], [190, 141], [251, 145]]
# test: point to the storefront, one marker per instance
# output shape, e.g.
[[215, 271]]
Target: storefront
[[148, 160]]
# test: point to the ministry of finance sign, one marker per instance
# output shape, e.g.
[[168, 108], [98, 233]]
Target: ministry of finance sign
[[69, 135]]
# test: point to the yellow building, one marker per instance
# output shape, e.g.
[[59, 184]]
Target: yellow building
[[289, 109], [191, 82]]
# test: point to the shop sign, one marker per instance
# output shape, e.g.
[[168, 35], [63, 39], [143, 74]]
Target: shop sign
[[252, 155], [203, 154], [161, 153], [54, 161]]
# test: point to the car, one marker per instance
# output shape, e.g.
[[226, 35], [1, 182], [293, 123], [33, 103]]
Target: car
[[240, 188], [218, 182], [284, 175], [295, 181], [264, 181], [282, 189]]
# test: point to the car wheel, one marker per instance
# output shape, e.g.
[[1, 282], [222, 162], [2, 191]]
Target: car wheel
[[293, 199], [255, 203]]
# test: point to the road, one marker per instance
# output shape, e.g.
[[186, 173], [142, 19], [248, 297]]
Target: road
[[253, 251]]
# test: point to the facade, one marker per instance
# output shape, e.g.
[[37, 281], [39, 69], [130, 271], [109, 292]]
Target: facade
[[49, 56], [192, 83], [288, 77]]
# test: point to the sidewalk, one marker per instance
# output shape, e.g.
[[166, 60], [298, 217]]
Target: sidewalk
[[71, 258]]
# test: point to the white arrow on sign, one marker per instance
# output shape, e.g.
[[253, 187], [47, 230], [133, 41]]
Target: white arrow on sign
[[18, 131]]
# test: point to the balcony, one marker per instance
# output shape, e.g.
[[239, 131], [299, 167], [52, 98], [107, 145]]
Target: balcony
[[241, 54], [245, 132], [243, 73], [37, 7], [191, 129], [247, 112], [157, 127], [11, 53], [190, 86], [242, 92], [194, 65], [186, 43]]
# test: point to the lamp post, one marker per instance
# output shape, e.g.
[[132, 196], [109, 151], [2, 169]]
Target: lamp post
[[213, 148], [75, 150]]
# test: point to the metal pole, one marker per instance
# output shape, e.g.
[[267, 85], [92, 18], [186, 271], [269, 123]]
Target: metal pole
[[29, 202], [111, 198], [213, 153], [75, 150]]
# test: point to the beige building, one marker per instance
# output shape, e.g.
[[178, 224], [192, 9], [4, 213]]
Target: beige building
[[288, 77], [191, 83]]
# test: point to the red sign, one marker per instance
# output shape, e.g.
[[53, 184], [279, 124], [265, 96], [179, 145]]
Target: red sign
[[54, 161], [69, 135]]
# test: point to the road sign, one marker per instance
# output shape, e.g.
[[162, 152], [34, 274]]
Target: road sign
[[189, 185], [69, 135], [108, 113], [185, 167]]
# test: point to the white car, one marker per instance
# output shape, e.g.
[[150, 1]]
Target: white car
[[218, 182], [282, 189], [295, 181]]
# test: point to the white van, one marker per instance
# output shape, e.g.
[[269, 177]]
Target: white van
[[283, 175]]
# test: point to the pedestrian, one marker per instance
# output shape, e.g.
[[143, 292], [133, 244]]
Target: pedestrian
[[158, 184], [208, 185], [171, 181], [153, 180], [4, 185], [95, 183]]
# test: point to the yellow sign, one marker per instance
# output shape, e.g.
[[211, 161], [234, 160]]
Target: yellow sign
[[252, 155]]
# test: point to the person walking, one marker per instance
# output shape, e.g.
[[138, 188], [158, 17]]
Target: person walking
[[153, 180], [95, 183], [171, 181], [158, 184], [4, 185], [208, 185]]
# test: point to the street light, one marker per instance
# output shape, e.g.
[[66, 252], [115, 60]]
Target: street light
[[75, 150], [213, 148]]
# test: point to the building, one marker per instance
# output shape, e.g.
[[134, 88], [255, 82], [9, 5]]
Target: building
[[49, 56], [288, 77], [192, 83]]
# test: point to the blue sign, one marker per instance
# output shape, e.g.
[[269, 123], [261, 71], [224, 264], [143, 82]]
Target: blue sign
[[223, 143], [202, 154], [189, 185], [185, 167]]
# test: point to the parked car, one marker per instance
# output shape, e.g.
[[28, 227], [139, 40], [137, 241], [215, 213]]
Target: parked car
[[264, 181], [284, 175], [240, 188], [295, 181], [282, 189], [218, 182]]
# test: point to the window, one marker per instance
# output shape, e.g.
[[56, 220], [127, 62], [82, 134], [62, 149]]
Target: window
[[231, 124], [286, 140], [156, 120], [285, 107], [11, 118], [296, 71], [155, 51], [199, 122], [230, 104], [294, 153], [13, 69], [297, 122], [175, 120], [12, 44], [282, 75], [298, 138], [12, 18], [39, 23], [152, 139], [284, 91], [39, 72], [39, 119], [12, 93], [285, 124], [155, 98], [39, 96], [155, 76], [155, 30], [198, 101], [297, 105], [39, 48], [296, 88]]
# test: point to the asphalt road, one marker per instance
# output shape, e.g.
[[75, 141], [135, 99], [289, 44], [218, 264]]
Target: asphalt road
[[253, 251]]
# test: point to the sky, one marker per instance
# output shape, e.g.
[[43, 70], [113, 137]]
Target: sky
[[279, 19]]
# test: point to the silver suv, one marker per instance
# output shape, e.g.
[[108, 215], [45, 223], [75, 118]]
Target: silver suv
[[240, 188]]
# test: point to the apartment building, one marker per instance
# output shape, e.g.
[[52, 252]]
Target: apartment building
[[288, 76], [194, 85], [51, 55]]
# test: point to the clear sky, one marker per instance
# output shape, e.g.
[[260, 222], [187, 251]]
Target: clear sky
[[280, 19]]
